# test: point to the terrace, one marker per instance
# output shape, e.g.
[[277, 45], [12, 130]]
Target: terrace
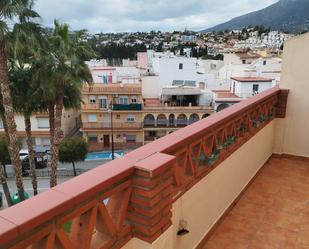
[[145, 194], [272, 213], [237, 179]]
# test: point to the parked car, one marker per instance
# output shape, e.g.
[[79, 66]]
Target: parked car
[[40, 161], [23, 154]]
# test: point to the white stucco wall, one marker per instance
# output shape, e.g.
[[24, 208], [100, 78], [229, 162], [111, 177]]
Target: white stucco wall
[[168, 69], [151, 87], [292, 135], [244, 89]]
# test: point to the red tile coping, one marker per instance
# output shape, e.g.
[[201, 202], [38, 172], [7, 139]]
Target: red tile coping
[[150, 164], [81, 187], [8, 230], [35, 211]]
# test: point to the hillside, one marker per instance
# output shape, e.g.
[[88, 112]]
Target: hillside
[[286, 15]]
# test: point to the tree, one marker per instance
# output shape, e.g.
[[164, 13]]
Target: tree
[[25, 102], [160, 47], [72, 150], [4, 159], [15, 15], [62, 66]]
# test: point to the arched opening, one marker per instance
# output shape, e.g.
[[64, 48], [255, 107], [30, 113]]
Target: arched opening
[[161, 120], [205, 115], [182, 120], [193, 118], [149, 120], [171, 119], [222, 107]]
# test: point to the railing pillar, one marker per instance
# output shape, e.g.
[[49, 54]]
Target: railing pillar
[[282, 103], [151, 201]]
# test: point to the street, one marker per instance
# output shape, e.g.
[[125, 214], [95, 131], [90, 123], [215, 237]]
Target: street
[[65, 172]]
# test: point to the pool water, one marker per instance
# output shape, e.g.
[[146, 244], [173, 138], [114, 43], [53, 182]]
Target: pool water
[[103, 155]]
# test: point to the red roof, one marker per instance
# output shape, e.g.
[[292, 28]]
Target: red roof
[[251, 79], [225, 94]]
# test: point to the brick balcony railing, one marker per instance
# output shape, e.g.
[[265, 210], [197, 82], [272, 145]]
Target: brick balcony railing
[[133, 196]]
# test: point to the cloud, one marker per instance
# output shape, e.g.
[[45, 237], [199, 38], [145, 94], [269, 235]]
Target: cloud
[[144, 15]]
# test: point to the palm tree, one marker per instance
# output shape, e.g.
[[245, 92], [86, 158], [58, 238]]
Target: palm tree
[[4, 159], [19, 14], [26, 103], [64, 67]]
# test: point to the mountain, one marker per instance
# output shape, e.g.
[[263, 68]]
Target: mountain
[[286, 15]]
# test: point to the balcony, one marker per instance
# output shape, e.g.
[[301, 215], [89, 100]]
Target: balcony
[[170, 106], [116, 107], [163, 122], [127, 107], [113, 89], [239, 174], [116, 125], [92, 107], [194, 174]]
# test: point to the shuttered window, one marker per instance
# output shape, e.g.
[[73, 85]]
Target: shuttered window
[[43, 123], [92, 118]]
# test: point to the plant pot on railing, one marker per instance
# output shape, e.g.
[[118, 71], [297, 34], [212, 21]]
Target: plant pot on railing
[[204, 160], [242, 128], [228, 142]]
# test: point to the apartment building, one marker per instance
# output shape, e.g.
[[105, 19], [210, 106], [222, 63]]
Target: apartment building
[[174, 95], [40, 127], [112, 110], [178, 105]]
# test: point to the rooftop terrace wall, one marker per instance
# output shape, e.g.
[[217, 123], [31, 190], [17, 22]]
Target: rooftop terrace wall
[[292, 133]]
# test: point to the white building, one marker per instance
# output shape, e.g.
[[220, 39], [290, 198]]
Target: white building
[[110, 75], [234, 66], [246, 87]]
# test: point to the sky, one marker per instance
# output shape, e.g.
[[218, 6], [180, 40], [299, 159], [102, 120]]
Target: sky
[[144, 15]]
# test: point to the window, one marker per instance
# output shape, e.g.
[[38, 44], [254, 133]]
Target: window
[[180, 66], [130, 118], [152, 133], [264, 63], [133, 99], [243, 61], [43, 123], [92, 138], [92, 118], [255, 88], [131, 138], [91, 99], [118, 116], [123, 100], [45, 141], [102, 102]]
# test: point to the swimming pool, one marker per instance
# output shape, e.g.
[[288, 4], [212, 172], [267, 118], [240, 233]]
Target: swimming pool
[[103, 155]]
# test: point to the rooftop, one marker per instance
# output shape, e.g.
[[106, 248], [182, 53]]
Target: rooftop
[[247, 55], [222, 94], [251, 79]]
